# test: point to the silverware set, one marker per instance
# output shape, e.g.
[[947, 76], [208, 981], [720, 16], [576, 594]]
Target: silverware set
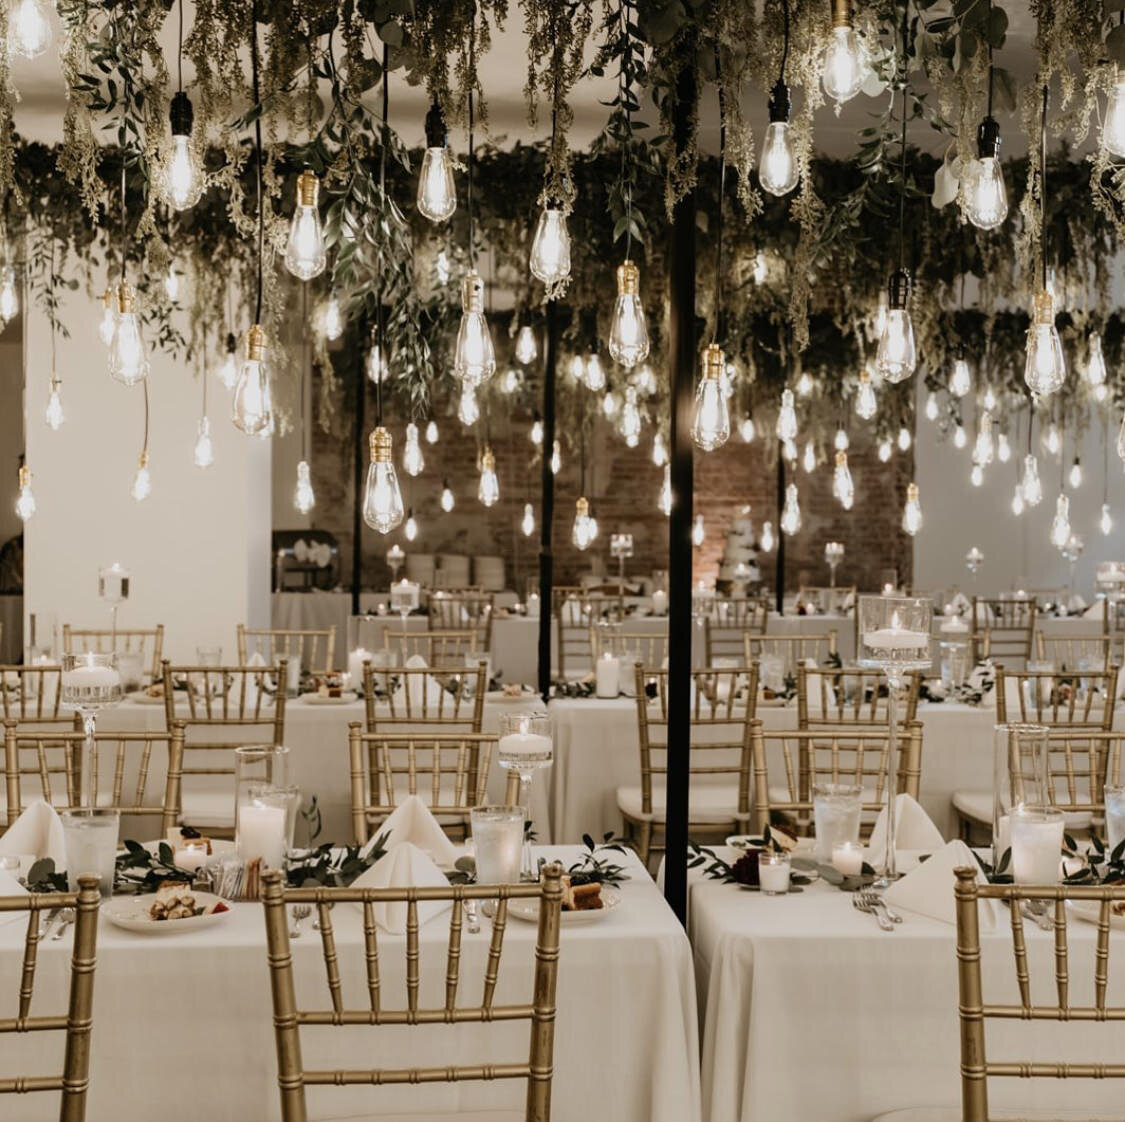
[[873, 904], [301, 912], [63, 916]]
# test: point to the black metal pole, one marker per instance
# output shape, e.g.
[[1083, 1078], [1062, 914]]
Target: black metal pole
[[359, 470], [779, 537], [682, 356], [547, 501]]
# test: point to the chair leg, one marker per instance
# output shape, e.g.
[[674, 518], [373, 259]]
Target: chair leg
[[644, 842]]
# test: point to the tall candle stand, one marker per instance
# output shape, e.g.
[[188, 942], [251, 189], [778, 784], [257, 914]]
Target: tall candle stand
[[833, 554], [113, 588], [621, 547], [525, 747], [90, 683]]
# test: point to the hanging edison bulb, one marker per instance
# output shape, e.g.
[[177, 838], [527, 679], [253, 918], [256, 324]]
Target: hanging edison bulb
[[181, 172], [912, 512], [382, 499], [142, 481], [1113, 128], [960, 381], [576, 369], [332, 318], [29, 29], [474, 360], [746, 429], [789, 451], [983, 449], [556, 458], [931, 406], [304, 254], [886, 448], [840, 441], [665, 500], [787, 417], [710, 427], [437, 196], [777, 168], [1003, 448], [904, 439], [631, 418], [610, 405], [1095, 361], [843, 488], [54, 415], [984, 195], [1017, 500], [791, 512], [251, 405], [1074, 478], [897, 356], [203, 454], [808, 459], [960, 437], [976, 476], [378, 369], [172, 284], [767, 541], [845, 58], [583, 531], [527, 349], [527, 525], [432, 432], [25, 500], [1060, 524], [866, 404], [413, 462], [761, 268], [468, 410], [228, 371], [489, 489], [550, 248], [804, 385], [1105, 523], [628, 329], [510, 382], [410, 529], [536, 433], [645, 380], [304, 497], [1045, 368], [9, 297], [1053, 441], [1032, 488], [447, 500], [128, 359], [989, 400], [698, 531], [594, 372], [659, 450], [109, 316]]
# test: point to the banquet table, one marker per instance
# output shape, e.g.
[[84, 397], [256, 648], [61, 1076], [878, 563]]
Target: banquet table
[[812, 1012], [183, 1023]]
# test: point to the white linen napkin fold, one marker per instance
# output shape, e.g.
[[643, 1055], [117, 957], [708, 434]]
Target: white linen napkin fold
[[413, 823], [420, 682], [1094, 611], [9, 886], [404, 866], [256, 659], [36, 833], [914, 829], [928, 889], [571, 611]]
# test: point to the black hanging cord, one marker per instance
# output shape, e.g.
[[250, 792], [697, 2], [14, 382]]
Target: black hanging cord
[[902, 168], [989, 114], [180, 51], [1043, 186], [386, 137], [258, 153], [625, 93], [785, 40], [469, 177], [144, 448], [718, 325]]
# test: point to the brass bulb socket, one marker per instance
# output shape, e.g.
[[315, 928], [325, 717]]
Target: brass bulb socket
[[256, 344], [628, 279], [1044, 307], [841, 13], [380, 443], [126, 298], [142, 460], [472, 292], [912, 492], [713, 362], [25, 475], [107, 298], [841, 459], [308, 188], [582, 509], [487, 460], [864, 377]]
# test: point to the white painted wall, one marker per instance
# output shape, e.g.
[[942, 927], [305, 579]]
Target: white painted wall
[[198, 548]]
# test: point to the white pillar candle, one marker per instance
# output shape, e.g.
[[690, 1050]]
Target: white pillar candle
[[773, 873], [607, 676], [356, 659], [261, 834], [91, 678], [659, 602], [847, 858], [533, 606], [1036, 848], [895, 639], [523, 747], [191, 858]]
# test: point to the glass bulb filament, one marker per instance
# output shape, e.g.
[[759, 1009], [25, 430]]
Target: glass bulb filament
[[203, 455], [628, 329], [912, 512], [791, 512], [550, 248], [845, 64], [585, 528], [1045, 367], [251, 403], [489, 489], [128, 358], [29, 29], [1060, 525], [842, 486], [413, 462], [304, 498], [437, 195], [25, 500], [777, 169], [711, 424], [305, 256], [54, 413], [382, 499], [1032, 488], [960, 381], [474, 359], [527, 525], [787, 417], [527, 350]]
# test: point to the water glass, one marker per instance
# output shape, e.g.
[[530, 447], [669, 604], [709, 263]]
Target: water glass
[[131, 666], [498, 842], [837, 808], [1114, 817], [955, 664], [1019, 777], [90, 837], [1037, 691], [1037, 838]]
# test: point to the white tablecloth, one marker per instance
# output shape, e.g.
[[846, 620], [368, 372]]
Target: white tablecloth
[[813, 1013], [183, 1023]]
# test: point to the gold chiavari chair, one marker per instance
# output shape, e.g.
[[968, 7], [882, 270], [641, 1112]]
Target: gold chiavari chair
[[1076, 699], [456, 611], [723, 703], [855, 756], [228, 707], [726, 625], [314, 648], [128, 641], [792, 649], [1003, 630], [829, 697], [444, 648], [127, 770], [648, 648], [1085, 652], [293, 1079], [832, 599], [77, 1023], [32, 695], [574, 611], [445, 698], [447, 770]]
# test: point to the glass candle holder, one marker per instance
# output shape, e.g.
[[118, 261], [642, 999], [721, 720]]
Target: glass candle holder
[[90, 837], [1019, 777], [773, 872], [607, 661], [837, 808], [258, 767], [1114, 817], [1037, 838], [497, 842], [90, 682], [525, 747]]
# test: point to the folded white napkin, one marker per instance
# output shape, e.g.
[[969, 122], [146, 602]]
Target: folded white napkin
[[928, 889], [412, 822], [36, 833], [571, 611], [913, 828], [962, 605], [1076, 604], [1094, 611], [404, 866], [422, 682]]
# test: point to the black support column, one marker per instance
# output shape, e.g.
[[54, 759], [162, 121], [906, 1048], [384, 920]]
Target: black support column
[[547, 502]]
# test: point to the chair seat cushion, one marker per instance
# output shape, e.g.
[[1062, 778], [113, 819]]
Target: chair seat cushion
[[976, 806], [710, 803]]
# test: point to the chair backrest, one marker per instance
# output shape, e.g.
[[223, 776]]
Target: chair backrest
[[1071, 653], [649, 648], [77, 1021], [315, 648], [792, 649], [575, 611], [727, 622], [1081, 763], [1003, 629], [32, 696], [436, 647], [849, 695], [539, 1009], [828, 598], [976, 1068], [449, 696], [447, 770], [460, 610], [855, 756], [128, 776], [80, 640], [723, 701], [1084, 699]]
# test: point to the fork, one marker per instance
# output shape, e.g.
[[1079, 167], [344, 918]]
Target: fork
[[471, 915], [876, 901], [300, 912], [859, 905], [47, 920], [66, 918], [316, 922]]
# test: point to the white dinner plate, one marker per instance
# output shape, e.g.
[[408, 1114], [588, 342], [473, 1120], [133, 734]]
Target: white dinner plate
[[773, 702], [131, 913], [316, 699], [143, 698], [1087, 910], [501, 698], [527, 908]]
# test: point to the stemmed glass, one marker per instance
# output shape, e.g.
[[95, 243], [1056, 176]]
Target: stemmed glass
[[395, 558], [1071, 552], [525, 747], [833, 554], [113, 588], [91, 682], [894, 636], [973, 561], [404, 598]]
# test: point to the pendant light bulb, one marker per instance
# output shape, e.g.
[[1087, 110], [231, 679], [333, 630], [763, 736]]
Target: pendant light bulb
[[468, 409], [251, 404], [410, 529], [791, 512], [789, 451], [897, 356], [594, 373], [1105, 523], [698, 531], [447, 500], [777, 168], [1032, 488], [1003, 448], [984, 196], [305, 257], [1053, 441], [29, 29], [710, 428], [172, 284], [804, 385], [528, 523], [931, 406], [610, 405], [787, 417], [332, 319], [550, 248], [9, 297], [413, 462], [866, 403], [228, 371], [1074, 478], [203, 454], [845, 58], [378, 368], [1045, 368], [960, 381], [976, 476], [109, 316], [912, 512], [432, 432], [631, 418], [885, 450], [840, 442], [746, 429], [659, 450], [527, 349], [25, 500], [437, 195], [1113, 129], [1017, 500], [128, 359], [645, 380], [960, 437], [488, 491], [474, 360], [843, 488], [767, 541], [382, 499], [443, 270], [1095, 361], [665, 500], [182, 177], [628, 330], [304, 497], [556, 458], [142, 481], [904, 439], [536, 431], [808, 459], [1060, 524], [54, 415], [989, 400], [584, 529], [984, 449]]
